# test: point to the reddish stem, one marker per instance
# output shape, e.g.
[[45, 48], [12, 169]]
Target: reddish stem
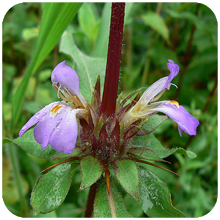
[[113, 60]]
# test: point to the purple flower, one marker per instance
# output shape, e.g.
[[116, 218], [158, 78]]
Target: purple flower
[[56, 122], [147, 106], [67, 81]]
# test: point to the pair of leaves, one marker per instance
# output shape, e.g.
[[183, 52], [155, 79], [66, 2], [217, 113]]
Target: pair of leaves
[[154, 196]]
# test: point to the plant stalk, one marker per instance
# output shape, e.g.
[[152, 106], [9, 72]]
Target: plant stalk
[[90, 200], [113, 60]]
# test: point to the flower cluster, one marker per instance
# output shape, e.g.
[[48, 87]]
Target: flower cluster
[[107, 138]]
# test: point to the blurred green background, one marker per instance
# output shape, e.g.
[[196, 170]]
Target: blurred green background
[[153, 33]]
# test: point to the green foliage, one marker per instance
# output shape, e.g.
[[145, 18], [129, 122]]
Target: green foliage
[[51, 189], [91, 169], [157, 23], [154, 144], [191, 42], [29, 144], [154, 196], [127, 174]]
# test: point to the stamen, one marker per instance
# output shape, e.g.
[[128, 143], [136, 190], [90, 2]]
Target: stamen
[[61, 95], [58, 91], [157, 97]]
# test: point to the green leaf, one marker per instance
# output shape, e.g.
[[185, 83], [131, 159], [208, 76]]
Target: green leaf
[[154, 144], [51, 189], [88, 68], [157, 23], [144, 153], [127, 174], [55, 18], [186, 15], [101, 204], [88, 20], [101, 43], [29, 144], [91, 169], [152, 123], [155, 198]]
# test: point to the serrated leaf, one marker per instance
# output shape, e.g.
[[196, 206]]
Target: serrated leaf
[[101, 204], [88, 68], [154, 144], [51, 189], [127, 174], [29, 144], [55, 18], [155, 198], [157, 23], [91, 169]]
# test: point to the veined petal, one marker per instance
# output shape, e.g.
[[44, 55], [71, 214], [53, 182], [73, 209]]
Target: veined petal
[[63, 138], [161, 84], [35, 118], [186, 122]]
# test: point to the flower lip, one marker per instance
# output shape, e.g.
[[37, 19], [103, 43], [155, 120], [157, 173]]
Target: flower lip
[[55, 110], [56, 125]]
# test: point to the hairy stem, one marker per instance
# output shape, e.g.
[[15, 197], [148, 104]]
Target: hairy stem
[[90, 200], [113, 60]]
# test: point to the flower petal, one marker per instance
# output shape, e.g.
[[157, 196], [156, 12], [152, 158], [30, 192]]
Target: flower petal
[[66, 77], [48, 123], [161, 84], [34, 119], [186, 122], [63, 138]]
